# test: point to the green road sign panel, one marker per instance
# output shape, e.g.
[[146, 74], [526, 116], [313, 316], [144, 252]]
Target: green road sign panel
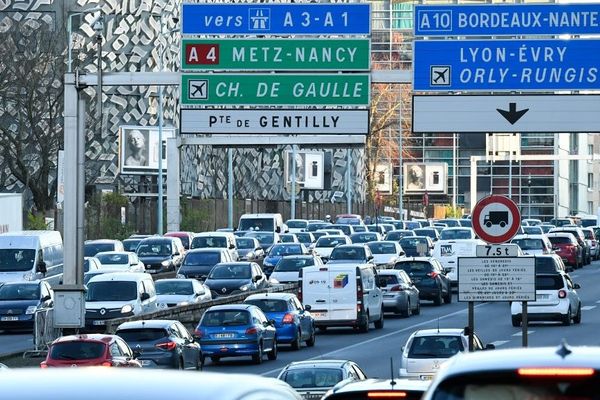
[[276, 54], [275, 89]]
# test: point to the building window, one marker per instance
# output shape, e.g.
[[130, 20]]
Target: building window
[[590, 149], [590, 180], [591, 207]]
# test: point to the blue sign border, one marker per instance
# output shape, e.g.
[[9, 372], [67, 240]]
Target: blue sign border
[[432, 58], [497, 19], [269, 19]]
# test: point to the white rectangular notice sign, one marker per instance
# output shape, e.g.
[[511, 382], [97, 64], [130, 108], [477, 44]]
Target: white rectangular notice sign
[[496, 279]]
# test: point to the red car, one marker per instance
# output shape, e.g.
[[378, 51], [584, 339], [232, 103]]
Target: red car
[[90, 350], [567, 247], [186, 238]]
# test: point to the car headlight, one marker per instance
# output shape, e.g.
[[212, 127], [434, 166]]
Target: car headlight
[[268, 264], [180, 276], [183, 303], [30, 310], [127, 308], [160, 305], [243, 288], [274, 281], [165, 263]]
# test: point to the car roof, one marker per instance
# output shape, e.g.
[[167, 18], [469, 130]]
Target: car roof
[[91, 337], [219, 234], [224, 307], [121, 276], [559, 234], [208, 250], [275, 296], [333, 237], [101, 241], [407, 259], [382, 384], [316, 363], [440, 332], [115, 252], [527, 236], [147, 323]]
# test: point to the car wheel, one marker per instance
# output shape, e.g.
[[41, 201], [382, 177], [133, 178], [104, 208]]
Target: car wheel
[[379, 322], [311, 340], [215, 359], [364, 327], [566, 319], [296, 343], [448, 297], [438, 300], [181, 364], [406, 313], [272, 355], [200, 362], [577, 317], [258, 357], [516, 321], [417, 310]]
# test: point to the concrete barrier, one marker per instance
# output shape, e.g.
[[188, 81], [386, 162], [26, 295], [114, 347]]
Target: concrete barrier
[[190, 315]]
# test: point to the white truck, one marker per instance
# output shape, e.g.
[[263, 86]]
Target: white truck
[[11, 212]]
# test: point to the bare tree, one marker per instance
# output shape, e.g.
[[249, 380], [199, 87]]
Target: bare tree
[[31, 102]]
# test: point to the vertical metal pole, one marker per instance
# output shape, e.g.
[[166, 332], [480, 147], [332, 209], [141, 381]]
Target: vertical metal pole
[[471, 318], [529, 196], [293, 188], [71, 125], [400, 171], [454, 164], [349, 181], [173, 190], [510, 174], [159, 217], [70, 41], [230, 188], [473, 184], [524, 324], [99, 87], [80, 191]]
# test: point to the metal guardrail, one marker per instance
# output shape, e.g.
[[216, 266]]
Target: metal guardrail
[[44, 332]]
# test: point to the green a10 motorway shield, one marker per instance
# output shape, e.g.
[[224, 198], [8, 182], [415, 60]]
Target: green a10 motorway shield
[[275, 89], [276, 54]]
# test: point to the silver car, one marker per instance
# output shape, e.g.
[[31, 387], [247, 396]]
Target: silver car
[[400, 295]]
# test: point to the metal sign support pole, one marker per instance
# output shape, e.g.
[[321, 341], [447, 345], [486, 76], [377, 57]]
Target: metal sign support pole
[[293, 188], [349, 181], [524, 323], [471, 324], [230, 188]]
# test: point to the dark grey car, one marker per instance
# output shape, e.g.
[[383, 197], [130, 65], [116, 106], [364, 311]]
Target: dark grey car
[[237, 277]]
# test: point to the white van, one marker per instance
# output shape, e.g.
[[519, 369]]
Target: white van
[[342, 295], [217, 240], [262, 222], [448, 251], [25, 255], [116, 295]]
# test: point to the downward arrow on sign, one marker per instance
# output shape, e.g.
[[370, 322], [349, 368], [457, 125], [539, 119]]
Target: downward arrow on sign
[[512, 115]]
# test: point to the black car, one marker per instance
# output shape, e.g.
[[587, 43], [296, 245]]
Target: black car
[[19, 301], [417, 246], [160, 254], [429, 277], [197, 263], [431, 232], [236, 277], [162, 344]]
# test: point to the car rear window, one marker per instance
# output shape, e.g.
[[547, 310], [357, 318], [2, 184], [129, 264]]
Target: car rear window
[[204, 258], [529, 244], [267, 305], [91, 249], [313, 377], [200, 242], [589, 235], [549, 282], [415, 267], [451, 234], [545, 265], [435, 347], [77, 350], [389, 279], [293, 264], [226, 318], [382, 248], [142, 334], [560, 240], [396, 393], [330, 241], [245, 243], [347, 253], [398, 235]]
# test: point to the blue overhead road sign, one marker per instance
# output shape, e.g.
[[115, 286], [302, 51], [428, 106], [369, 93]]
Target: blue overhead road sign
[[519, 65], [507, 19], [276, 19]]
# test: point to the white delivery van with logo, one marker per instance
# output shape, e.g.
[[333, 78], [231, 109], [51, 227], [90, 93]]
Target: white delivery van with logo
[[342, 295], [448, 251]]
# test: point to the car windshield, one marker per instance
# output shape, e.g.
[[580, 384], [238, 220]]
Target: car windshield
[[142, 334], [348, 220], [131, 244], [389, 279], [245, 243], [262, 237], [314, 226], [267, 305], [200, 242], [435, 347], [154, 249], [588, 234], [79, 350], [297, 224], [91, 249], [348, 253], [532, 230], [111, 291], [279, 250], [415, 267], [226, 318], [412, 225], [16, 259], [396, 236], [313, 377], [363, 237], [451, 234], [549, 282], [293, 264], [327, 241], [529, 244], [287, 238], [25, 291], [382, 248], [107, 259], [229, 271], [304, 237], [202, 258], [466, 223], [174, 287], [257, 224]]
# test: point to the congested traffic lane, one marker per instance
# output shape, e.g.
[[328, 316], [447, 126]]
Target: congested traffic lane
[[11, 343], [372, 351]]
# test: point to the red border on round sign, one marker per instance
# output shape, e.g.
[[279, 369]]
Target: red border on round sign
[[513, 209]]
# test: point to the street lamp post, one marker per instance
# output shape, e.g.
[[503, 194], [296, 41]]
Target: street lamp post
[[529, 196]]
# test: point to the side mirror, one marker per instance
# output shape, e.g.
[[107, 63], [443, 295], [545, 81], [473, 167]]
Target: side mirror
[[176, 253], [307, 307], [490, 346], [272, 322], [231, 246], [278, 230], [370, 257], [45, 298], [145, 296], [250, 256], [137, 353], [257, 278], [41, 267], [577, 286], [401, 253]]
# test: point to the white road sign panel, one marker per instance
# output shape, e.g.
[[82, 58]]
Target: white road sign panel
[[497, 250], [275, 121], [506, 113], [496, 279]]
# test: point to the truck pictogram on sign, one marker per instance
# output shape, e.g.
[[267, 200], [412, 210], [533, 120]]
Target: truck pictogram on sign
[[496, 218]]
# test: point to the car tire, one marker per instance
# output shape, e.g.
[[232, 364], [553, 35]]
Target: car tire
[[577, 317], [215, 359], [566, 319], [364, 327], [258, 357], [200, 362], [181, 364], [379, 323], [272, 355], [448, 297], [311, 340], [417, 310], [438, 300], [296, 343], [406, 312], [516, 321]]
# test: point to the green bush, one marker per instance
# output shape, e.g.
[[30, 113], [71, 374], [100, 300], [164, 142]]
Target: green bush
[[192, 218], [36, 222]]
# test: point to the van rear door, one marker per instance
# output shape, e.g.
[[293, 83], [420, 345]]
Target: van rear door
[[315, 291], [343, 300]]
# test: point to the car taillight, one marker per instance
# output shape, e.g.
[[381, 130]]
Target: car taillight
[[198, 332], [299, 295], [169, 346], [386, 395], [288, 318], [43, 364], [556, 372], [562, 294], [106, 364], [396, 288], [432, 274], [251, 331]]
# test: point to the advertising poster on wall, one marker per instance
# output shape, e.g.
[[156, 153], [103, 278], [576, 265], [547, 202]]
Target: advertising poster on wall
[[425, 177], [139, 148]]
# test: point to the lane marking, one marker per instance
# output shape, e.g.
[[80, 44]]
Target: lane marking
[[499, 342], [520, 333], [408, 328], [598, 302], [587, 308]]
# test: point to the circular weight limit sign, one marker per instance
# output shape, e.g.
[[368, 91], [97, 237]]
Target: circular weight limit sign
[[496, 219]]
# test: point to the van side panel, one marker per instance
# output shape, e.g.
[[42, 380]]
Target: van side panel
[[343, 283], [315, 292]]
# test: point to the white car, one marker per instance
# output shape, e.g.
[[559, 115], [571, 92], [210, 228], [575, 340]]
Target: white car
[[288, 268], [556, 300], [222, 240], [180, 292], [426, 350], [457, 233], [533, 245], [385, 253], [120, 261], [326, 244], [297, 225]]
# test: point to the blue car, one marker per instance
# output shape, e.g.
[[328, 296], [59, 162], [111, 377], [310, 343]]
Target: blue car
[[278, 251], [235, 330], [293, 322], [19, 301]]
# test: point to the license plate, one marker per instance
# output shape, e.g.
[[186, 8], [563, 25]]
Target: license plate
[[318, 314], [99, 322], [426, 377], [9, 319], [224, 335], [151, 271]]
